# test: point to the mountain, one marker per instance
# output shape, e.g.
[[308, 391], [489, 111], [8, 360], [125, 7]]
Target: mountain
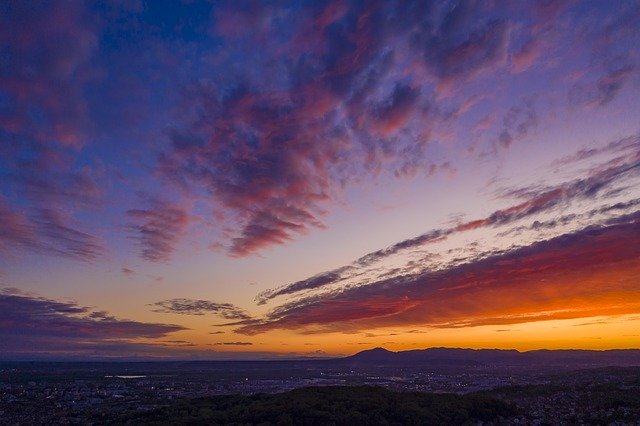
[[495, 357]]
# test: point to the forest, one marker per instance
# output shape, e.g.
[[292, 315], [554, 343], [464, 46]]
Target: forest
[[334, 405]]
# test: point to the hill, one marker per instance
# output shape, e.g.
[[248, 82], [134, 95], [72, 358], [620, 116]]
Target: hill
[[494, 357]]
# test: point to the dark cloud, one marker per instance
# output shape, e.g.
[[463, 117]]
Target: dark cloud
[[316, 281], [200, 307], [617, 208], [628, 145], [174, 343], [35, 325], [231, 344], [517, 123], [564, 277], [158, 229], [536, 200]]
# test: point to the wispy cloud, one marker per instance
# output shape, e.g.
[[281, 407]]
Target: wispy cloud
[[200, 307], [45, 232], [231, 344], [537, 200], [158, 229], [43, 126], [566, 277]]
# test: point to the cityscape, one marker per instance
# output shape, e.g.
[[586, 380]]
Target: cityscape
[[549, 388]]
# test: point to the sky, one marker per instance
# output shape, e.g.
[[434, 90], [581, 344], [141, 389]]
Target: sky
[[249, 180]]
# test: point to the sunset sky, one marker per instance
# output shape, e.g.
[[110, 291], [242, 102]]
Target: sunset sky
[[245, 179]]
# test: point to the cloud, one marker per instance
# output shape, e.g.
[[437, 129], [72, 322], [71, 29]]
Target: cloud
[[174, 343], [65, 241], [604, 89], [45, 222], [45, 232], [484, 48], [43, 190], [33, 326], [274, 110], [536, 200], [613, 63], [341, 96], [231, 344], [590, 272], [200, 307], [159, 229], [44, 123], [15, 228], [517, 123], [527, 55], [45, 69], [629, 145], [316, 281]]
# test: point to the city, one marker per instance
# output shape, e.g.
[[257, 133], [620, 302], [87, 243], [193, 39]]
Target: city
[[94, 392]]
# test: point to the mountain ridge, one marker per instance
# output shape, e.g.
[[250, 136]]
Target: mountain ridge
[[468, 356]]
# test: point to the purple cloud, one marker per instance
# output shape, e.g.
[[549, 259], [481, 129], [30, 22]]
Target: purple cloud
[[44, 124], [40, 326], [604, 89], [277, 149], [158, 229], [46, 68], [45, 232], [266, 113]]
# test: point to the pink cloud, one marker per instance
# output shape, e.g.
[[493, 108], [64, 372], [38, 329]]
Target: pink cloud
[[526, 56], [587, 273]]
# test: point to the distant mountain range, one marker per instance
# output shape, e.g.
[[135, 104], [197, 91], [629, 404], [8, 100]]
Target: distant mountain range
[[494, 357]]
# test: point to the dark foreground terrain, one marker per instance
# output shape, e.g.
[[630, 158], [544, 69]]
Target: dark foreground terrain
[[599, 397], [353, 405], [316, 392]]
